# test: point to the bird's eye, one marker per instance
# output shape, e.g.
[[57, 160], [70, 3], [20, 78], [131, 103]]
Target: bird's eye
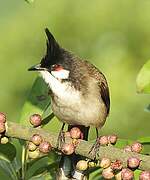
[[56, 67]]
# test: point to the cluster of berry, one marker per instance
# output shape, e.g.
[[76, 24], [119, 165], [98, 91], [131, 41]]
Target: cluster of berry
[[3, 138]]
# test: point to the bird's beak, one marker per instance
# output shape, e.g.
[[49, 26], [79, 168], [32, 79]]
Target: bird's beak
[[36, 67]]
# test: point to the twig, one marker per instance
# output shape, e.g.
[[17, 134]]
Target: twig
[[22, 132]]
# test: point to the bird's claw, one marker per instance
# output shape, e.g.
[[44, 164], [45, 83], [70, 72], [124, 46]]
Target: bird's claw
[[60, 140], [95, 149]]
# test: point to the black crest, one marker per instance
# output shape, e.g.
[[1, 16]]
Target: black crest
[[53, 50]]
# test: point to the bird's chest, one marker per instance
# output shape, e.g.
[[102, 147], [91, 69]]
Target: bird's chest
[[69, 105], [68, 99], [64, 94]]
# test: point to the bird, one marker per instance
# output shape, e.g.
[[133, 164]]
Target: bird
[[79, 90]]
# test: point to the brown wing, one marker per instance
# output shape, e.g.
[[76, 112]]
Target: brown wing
[[102, 82], [104, 91]]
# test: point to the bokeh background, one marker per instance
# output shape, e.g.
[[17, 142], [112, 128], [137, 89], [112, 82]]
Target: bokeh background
[[114, 35]]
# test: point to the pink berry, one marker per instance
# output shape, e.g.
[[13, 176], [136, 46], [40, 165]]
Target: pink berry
[[2, 127], [67, 148], [105, 162], [112, 139], [136, 147], [67, 134], [36, 139], [45, 147], [117, 165], [75, 133], [127, 148], [145, 175], [103, 140], [36, 120], [2, 117], [108, 173], [127, 174], [31, 146], [133, 162]]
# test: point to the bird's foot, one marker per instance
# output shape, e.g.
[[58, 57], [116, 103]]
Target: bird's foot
[[95, 149], [60, 140]]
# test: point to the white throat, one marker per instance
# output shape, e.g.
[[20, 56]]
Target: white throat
[[59, 88], [61, 74]]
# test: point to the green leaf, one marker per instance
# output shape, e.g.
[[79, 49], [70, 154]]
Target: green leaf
[[37, 101], [46, 168], [143, 79], [96, 174], [137, 174], [42, 165], [8, 169], [29, 1], [147, 109], [48, 111], [144, 140], [46, 176], [121, 143], [7, 152]]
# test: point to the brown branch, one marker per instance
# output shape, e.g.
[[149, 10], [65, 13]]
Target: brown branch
[[21, 132]]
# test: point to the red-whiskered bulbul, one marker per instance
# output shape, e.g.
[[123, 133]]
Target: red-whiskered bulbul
[[79, 91]]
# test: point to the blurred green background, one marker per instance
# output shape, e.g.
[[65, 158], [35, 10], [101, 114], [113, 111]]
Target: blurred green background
[[114, 35]]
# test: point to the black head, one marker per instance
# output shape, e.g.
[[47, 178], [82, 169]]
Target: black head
[[55, 55]]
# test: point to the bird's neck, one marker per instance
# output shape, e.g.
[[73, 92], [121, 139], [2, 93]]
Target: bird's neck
[[60, 88]]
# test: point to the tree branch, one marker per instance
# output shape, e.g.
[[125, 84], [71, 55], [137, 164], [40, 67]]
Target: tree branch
[[21, 132]]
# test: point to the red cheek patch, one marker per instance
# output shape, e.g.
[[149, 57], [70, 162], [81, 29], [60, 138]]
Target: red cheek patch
[[57, 67]]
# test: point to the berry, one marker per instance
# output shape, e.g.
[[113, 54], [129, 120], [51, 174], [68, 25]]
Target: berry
[[67, 148], [75, 142], [127, 148], [127, 174], [133, 162], [45, 147], [91, 164], [4, 140], [82, 136], [82, 165], [112, 139], [145, 175], [136, 147], [117, 165], [2, 127], [67, 134], [35, 120], [75, 133], [36, 139], [105, 163], [103, 140], [31, 146], [34, 154], [2, 117], [107, 173]]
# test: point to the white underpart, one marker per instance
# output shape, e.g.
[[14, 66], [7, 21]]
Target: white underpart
[[61, 74], [62, 90], [71, 107]]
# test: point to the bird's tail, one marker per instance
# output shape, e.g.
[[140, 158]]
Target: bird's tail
[[67, 167]]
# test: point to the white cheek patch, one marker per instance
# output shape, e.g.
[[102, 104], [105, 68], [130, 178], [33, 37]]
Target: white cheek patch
[[61, 74]]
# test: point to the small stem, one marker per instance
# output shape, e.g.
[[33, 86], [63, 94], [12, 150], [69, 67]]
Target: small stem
[[24, 154]]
